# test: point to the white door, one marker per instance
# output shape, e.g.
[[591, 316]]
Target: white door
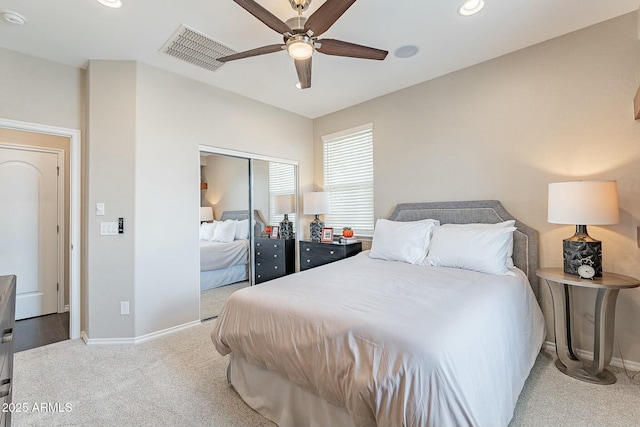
[[29, 228]]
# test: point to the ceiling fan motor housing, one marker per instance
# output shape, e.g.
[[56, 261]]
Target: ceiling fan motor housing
[[297, 24]]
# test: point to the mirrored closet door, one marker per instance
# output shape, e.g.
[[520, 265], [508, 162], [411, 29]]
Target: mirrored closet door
[[247, 223]]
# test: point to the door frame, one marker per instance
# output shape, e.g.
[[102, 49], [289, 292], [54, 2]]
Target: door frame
[[60, 200], [74, 210]]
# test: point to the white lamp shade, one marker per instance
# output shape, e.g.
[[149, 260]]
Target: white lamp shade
[[206, 213], [583, 203], [316, 203], [284, 204]]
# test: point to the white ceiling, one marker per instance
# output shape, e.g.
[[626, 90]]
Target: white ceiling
[[74, 31]]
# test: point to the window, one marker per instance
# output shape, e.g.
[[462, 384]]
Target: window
[[282, 180], [348, 177]]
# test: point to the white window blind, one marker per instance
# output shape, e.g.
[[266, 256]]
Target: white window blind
[[348, 177], [282, 180]]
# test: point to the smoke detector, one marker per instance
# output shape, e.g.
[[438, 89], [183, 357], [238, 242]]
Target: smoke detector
[[13, 17]]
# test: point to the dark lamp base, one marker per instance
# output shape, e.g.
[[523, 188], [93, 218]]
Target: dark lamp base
[[581, 249], [316, 229]]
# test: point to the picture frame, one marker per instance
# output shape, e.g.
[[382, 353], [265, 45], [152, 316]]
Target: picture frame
[[275, 231], [327, 235]]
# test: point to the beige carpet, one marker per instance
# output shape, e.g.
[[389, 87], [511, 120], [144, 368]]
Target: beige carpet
[[212, 300], [180, 380]]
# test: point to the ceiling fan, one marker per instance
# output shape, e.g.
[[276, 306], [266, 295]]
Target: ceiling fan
[[301, 36]]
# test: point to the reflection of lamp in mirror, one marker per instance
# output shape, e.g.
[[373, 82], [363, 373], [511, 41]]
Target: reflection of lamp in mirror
[[315, 204], [285, 205], [583, 203], [206, 214]]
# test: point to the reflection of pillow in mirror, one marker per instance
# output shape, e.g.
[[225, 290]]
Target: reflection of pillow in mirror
[[509, 223], [242, 230], [206, 230], [225, 231], [406, 241], [471, 248]]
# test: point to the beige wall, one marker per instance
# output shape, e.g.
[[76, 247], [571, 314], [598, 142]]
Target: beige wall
[[228, 179], [175, 115], [504, 129]]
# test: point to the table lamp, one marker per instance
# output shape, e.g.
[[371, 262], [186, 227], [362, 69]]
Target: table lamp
[[583, 203], [315, 204], [206, 214], [285, 204]]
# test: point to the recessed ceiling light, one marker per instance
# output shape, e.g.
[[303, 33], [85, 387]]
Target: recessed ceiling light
[[111, 3], [406, 51], [471, 7], [13, 17]]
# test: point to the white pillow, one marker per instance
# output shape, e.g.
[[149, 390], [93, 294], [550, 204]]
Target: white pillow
[[483, 249], [508, 223], [406, 241], [206, 230], [225, 231], [242, 229]]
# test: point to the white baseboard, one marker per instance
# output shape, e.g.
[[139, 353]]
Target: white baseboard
[[137, 340], [66, 308], [588, 355]]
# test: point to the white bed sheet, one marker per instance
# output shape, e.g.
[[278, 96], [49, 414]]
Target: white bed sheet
[[394, 343], [218, 255]]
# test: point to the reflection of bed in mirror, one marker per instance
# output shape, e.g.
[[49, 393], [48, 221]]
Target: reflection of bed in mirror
[[225, 260]]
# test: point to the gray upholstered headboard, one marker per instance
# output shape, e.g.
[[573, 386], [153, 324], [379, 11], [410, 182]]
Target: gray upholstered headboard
[[240, 215], [525, 238]]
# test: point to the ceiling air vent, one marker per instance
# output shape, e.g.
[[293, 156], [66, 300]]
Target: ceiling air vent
[[196, 48]]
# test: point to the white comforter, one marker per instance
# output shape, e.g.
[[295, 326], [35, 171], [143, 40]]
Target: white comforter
[[217, 255], [394, 343]]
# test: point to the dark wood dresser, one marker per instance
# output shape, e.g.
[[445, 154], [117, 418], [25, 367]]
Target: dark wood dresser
[[8, 316], [313, 254], [274, 258]]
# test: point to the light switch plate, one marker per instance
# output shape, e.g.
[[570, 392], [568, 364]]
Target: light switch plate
[[108, 228], [99, 209]]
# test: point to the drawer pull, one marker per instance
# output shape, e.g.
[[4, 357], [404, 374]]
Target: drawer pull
[[257, 253], [308, 249], [276, 267], [275, 246], [331, 252], [5, 388], [308, 260], [259, 276], [275, 256], [258, 244], [7, 335], [258, 264]]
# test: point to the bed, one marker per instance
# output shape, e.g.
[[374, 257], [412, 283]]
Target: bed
[[224, 263], [368, 341]]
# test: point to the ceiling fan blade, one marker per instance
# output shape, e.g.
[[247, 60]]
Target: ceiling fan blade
[[267, 18], [326, 15], [340, 48], [253, 52], [303, 67]]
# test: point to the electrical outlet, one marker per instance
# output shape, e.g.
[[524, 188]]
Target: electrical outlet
[[124, 308]]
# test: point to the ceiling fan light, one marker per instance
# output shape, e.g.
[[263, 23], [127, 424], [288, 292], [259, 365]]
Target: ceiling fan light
[[471, 7], [300, 48]]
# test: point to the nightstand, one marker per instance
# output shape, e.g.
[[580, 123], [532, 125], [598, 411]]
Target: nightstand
[[607, 288], [313, 254], [274, 258]]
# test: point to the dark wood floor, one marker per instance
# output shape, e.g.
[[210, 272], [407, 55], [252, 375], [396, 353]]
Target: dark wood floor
[[39, 331]]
